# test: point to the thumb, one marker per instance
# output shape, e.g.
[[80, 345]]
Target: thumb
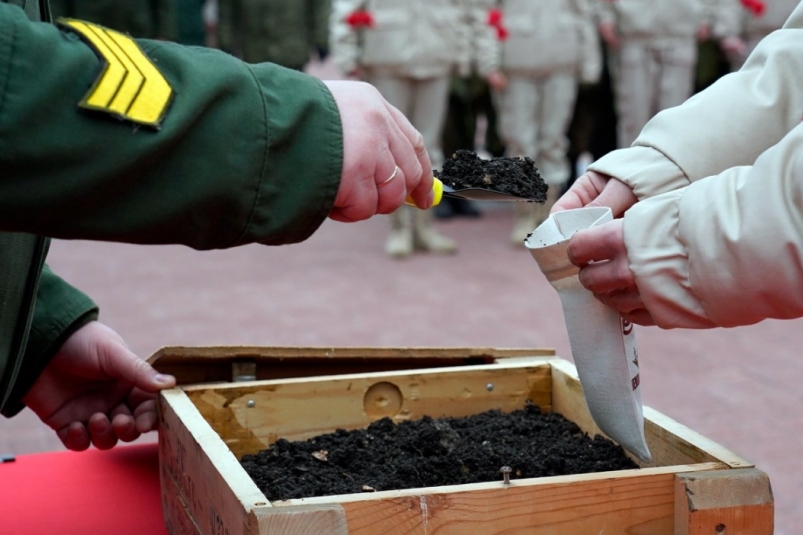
[[119, 362]]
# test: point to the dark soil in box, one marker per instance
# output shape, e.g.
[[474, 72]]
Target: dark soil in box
[[516, 176], [432, 452]]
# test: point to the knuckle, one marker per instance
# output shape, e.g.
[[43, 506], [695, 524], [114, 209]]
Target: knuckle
[[377, 118], [625, 275], [585, 278]]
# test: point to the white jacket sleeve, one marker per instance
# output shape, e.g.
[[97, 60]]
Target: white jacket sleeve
[[486, 46], [726, 250], [604, 11], [343, 39], [590, 48], [724, 17], [727, 125]]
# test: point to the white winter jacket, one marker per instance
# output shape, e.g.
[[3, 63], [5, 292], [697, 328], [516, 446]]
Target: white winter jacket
[[415, 38], [547, 36], [654, 19], [717, 238]]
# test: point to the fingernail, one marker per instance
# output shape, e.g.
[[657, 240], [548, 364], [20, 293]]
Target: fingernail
[[164, 379], [430, 199]]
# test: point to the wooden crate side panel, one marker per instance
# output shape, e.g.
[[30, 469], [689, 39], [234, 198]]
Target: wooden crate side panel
[[248, 417], [637, 506], [178, 519], [204, 486], [178, 353], [732, 502], [306, 520], [670, 442], [194, 365]]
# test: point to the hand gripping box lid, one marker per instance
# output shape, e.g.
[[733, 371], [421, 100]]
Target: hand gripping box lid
[[603, 344]]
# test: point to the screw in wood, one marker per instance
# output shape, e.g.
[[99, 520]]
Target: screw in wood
[[489, 387], [506, 470], [251, 404]]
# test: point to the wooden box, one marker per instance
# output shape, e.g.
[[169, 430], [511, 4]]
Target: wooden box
[[693, 485]]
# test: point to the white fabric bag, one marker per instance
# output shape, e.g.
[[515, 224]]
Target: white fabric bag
[[603, 344]]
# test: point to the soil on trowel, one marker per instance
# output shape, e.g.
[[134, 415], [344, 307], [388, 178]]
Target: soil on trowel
[[516, 176], [432, 452]]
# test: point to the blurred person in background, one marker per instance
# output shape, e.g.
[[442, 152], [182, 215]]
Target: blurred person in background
[[717, 41], [145, 19], [543, 50], [471, 112], [470, 108], [285, 32], [758, 19], [408, 50], [654, 55], [592, 131]]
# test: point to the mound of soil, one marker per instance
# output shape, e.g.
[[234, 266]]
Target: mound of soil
[[431, 452], [516, 176]]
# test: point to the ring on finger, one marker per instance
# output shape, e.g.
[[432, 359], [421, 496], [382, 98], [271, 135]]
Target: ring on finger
[[386, 182]]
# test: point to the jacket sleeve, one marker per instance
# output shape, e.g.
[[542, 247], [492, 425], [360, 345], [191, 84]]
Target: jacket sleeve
[[464, 33], [344, 43], [604, 11], [724, 17], [60, 310], [245, 153], [727, 125], [727, 250], [590, 48], [486, 47]]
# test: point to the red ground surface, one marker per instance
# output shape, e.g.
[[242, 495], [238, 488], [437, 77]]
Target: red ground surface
[[739, 387]]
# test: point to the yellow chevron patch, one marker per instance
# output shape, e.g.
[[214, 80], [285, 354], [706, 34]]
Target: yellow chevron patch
[[129, 86]]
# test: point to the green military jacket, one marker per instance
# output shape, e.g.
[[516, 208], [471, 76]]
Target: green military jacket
[[279, 31], [239, 154]]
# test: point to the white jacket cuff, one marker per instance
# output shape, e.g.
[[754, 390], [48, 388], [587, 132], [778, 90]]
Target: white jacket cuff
[[646, 170], [660, 264]]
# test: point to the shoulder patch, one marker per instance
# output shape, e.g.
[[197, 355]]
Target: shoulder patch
[[129, 86]]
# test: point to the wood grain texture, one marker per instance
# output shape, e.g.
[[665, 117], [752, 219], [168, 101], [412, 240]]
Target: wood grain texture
[[670, 442], [724, 502], [633, 503], [315, 520], [196, 365], [250, 416], [203, 483], [205, 426]]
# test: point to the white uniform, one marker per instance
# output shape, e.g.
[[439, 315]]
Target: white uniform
[[408, 53], [551, 46], [655, 64], [717, 237]]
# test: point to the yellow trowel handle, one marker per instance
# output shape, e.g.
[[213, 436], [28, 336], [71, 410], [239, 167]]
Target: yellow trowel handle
[[437, 187]]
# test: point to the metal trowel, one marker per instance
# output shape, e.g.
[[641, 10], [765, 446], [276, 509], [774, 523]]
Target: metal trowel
[[469, 194]]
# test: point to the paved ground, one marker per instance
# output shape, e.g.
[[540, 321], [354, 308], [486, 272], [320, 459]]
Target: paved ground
[[738, 387]]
